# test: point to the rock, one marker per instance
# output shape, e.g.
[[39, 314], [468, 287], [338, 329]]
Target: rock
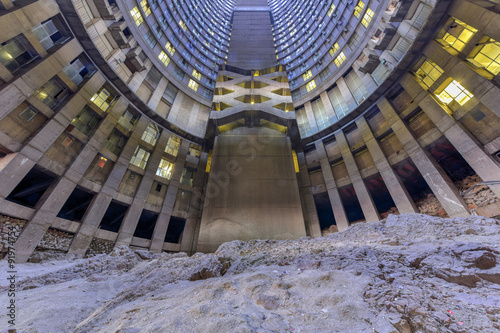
[[268, 302], [481, 259]]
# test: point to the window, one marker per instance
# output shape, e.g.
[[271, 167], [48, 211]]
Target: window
[[183, 25], [101, 162], [356, 86], [359, 9], [310, 86], [428, 73], [307, 75], [140, 158], [354, 40], [150, 39], [196, 74], [170, 93], [16, 53], [165, 169], [331, 10], [68, 141], [115, 142], [194, 150], [338, 102], [128, 120], [173, 145], [455, 92], [367, 18], [303, 122], [76, 71], [193, 85], [335, 48], [51, 94], [170, 48], [28, 113], [145, 8], [85, 121], [340, 59], [48, 34], [164, 58], [486, 55], [458, 35], [320, 114], [136, 16], [187, 176], [102, 99], [151, 133]]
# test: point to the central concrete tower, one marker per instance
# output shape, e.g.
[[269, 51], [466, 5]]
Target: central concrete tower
[[252, 190]]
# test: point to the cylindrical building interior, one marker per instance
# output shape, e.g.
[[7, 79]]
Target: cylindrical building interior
[[178, 125]]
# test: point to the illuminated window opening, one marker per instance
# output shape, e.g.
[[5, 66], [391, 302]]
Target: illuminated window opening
[[173, 145], [455, 92], [183, 25], [335, 48], [102, 99], [458, 35], [331, 10], [310, 86], [367, 18], [101, 162], [145, 8], [359, 9], [295, 161], [164, 58], [428, 73], [165, 169], [486, 55], [193, 85], [340, 59], [196, 74], [140, 158], [136, 16], [170, 48], [307, 75], [151, 134]]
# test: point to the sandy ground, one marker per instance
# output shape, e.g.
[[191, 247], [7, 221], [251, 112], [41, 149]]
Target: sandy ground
[[407, 273]]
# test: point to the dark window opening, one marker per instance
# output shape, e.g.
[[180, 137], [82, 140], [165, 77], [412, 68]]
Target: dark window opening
[[175, 229], [76, 205], [146, 225], [324, 209], [113, 218], [29, 191], [351, 204]]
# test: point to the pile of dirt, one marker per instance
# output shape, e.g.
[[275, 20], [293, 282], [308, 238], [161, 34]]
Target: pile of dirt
[[430, 205], [406, 273], [479, 196]]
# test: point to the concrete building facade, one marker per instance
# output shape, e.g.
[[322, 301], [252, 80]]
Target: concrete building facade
[[179, 125]]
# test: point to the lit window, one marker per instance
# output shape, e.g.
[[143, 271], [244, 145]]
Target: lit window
[[16, 53], [331, 10], [193, 85], [209, 162], [310, 86], [340, 59], [151, 133], [335, 48], [196, 74], [145, 8], [165, 169], [183, 25], [487, 55], [307, 75], [102, 99], [295, 161], [173, 145], [170, 48], [359, 8], [140, 158], [128, 120], [458, 35], [28, 113], [367, 18], [164, 58], [429, 72], [455, 92], [51, 94], [136, 16], [194, 150], [68, 141], [102, 162]]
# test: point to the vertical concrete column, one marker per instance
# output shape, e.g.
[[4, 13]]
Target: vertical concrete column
[[328, 105], [95, 213], [474, 154], [308, 206], [440, 184], [161, 226], [364, 197], [346, 93], [310, 117], [196, 207], [56, 196], [134, 212], [331, 186], [398, 191], [6, 4], [158, 93]]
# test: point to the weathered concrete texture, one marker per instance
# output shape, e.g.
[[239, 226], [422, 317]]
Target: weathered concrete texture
[[252, 190]]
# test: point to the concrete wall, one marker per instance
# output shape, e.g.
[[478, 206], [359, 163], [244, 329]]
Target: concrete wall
[[252, 190]]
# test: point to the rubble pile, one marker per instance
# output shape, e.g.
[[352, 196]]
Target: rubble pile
[[9, 225], [430, 205], [406, 273], [55, 240], [100, 246], [392, 210], [330, 230], [480, 196]]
